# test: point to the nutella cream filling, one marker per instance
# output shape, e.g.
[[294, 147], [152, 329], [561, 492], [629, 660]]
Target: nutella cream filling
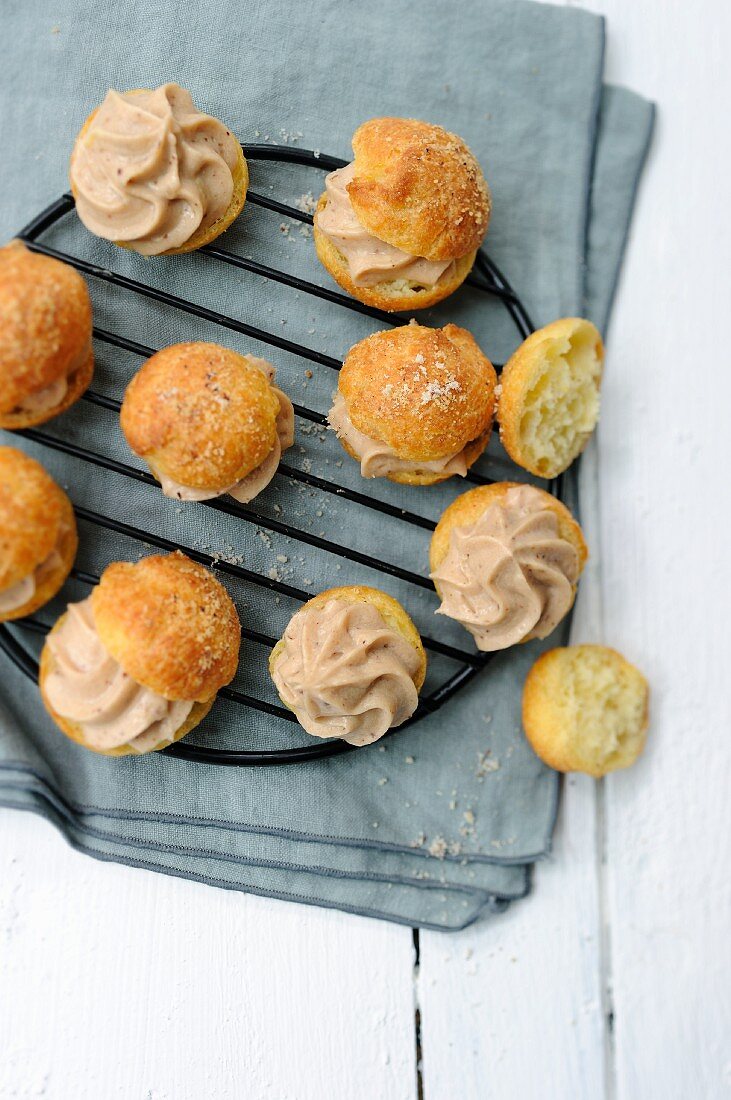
[[258, 479], [41, 401], [17, 594], [369, 259], [151, 169], [510, 576], [345, 673], [89, 688], [377, 459], [49, 397]]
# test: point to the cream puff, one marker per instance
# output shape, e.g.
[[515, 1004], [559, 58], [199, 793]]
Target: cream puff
[[549, 397], [415, 404], [151, 172], [350, 665], [505, 561], [38, 539], [138, 664], [399, 227], [585, 709], [46, 357], [207, 421]]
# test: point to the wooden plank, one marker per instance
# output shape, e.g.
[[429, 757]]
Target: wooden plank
[[665, 889], [512, 1007], [118, 982], [665, 536]]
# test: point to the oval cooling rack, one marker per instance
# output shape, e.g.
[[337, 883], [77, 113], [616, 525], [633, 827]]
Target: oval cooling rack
[[486, 278]]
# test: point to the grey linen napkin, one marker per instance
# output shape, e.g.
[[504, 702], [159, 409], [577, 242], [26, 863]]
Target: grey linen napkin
[[440, 822]]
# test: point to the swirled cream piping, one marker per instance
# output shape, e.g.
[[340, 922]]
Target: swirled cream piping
[[17, 594], [345, 673], [369, 259], [151, 170], [510, 576], [377, 459], [42, 401], [251, 485], [86, 686]]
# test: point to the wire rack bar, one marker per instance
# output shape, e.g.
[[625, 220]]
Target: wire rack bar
[[486, 277]]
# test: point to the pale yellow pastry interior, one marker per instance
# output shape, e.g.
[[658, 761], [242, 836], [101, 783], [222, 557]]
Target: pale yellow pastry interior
[[585, 709], [549, 399], [350, 665], [151, 172], [46, 357]]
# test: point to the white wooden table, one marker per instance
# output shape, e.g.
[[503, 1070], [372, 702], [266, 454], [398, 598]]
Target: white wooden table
[[614, 978]]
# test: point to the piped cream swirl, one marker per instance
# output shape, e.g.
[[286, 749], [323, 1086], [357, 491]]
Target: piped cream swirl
[[378, 459], [150, 169], [345, 673], [369, 259], [510, 576], [88, 687]]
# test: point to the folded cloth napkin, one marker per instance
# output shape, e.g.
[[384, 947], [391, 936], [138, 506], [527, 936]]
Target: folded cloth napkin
[[440, 822]]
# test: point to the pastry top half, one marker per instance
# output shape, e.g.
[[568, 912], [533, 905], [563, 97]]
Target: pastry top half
[[400, 225], [38, 537], [350, 664], [549, 400], [46, 358], [505, 560], [585, 708], [137, 664], [207, 421], [415, 404], [152, 172], [170, 625], [419, 188]]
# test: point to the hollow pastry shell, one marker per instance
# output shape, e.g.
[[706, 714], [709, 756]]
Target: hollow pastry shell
[[529, 375], [585, 708]]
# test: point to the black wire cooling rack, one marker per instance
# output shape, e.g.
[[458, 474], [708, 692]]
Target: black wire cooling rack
[[486, 277]]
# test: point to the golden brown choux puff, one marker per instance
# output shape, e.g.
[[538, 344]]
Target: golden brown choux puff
[[350, 665], [137, 665], [38, 538], [585, 709], [415, 404], [207, 421], [174, 188], [400, 226], [46, 358], [505, 561]]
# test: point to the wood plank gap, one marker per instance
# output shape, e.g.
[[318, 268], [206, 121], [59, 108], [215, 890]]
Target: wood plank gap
[[419, 1063], [605, 945]]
